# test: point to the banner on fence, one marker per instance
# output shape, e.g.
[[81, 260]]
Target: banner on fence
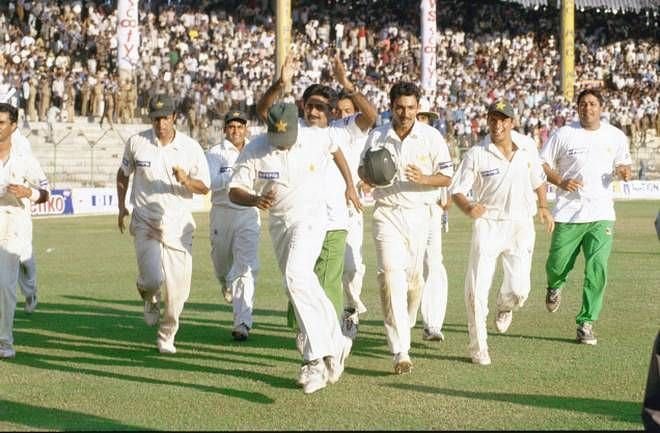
[[59, 203], [86, 201]]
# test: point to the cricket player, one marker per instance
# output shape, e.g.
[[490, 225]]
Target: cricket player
[[234, 229], [168, 167], [581, 159], [282, 172], [433, 305], [318, 104], [503, 177], [27, 276], [22, 182], [402, 214]]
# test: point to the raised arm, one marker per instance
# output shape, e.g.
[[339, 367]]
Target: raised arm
[[276, 89], [367, 112]]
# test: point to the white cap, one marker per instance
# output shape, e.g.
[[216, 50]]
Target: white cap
[[425, 108]]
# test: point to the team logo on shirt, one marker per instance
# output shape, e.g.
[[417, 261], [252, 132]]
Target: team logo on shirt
[[224, 169], [268, 174], [576, 151], [445, 164], [142, 163], [491, 172]]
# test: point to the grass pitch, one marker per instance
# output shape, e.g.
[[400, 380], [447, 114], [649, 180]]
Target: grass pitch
[[86, 361]]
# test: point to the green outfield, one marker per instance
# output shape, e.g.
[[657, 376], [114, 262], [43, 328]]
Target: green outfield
[[86, 361]]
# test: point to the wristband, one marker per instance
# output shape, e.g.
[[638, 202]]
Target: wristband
[[34, 197]]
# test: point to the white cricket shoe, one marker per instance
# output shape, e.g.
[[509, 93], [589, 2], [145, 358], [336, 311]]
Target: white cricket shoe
[[402, 363], [240, 332], [481, 358], [433, 334], [316, 377], [7, 351], [335, 364], [166, 348], [303, 374], [503, 321]]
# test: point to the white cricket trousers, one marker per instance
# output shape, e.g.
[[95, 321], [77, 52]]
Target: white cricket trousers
[[514, 242], [434, 294], [297, 243], [164, 271], [354, 267], [27, 276], [400, 236], [14, 244], [235, 255]]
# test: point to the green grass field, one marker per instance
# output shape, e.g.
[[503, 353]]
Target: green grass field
[[86, 361]]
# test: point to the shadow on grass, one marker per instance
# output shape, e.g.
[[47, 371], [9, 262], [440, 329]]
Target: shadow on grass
[[42, 418], [623, 411], [93, 335]]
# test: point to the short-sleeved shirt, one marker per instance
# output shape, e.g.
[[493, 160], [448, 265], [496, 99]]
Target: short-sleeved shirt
[[591, 157], [348, 136], [156, 194], [423, 147], [21, 168], [221, 159], [295, 174], [505, 188]]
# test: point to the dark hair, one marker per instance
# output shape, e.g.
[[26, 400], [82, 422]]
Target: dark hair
[[13, 111], [593, 92], [320, 90], [404, 88]]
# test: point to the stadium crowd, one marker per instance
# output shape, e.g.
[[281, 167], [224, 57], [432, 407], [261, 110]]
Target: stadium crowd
[[59, 59]]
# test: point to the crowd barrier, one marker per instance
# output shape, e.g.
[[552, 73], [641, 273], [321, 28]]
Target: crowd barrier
[[90, 201]]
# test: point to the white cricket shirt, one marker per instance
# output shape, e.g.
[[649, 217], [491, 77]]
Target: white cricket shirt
[[296, 175], [505, 188], [423, 147], [591, 157]]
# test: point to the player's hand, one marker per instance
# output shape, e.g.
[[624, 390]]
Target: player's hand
[[476, 210], [414, 174], [624, 172], [340, 72], [546, 218], [570, 185], [286, 74], [123, 213], [352, 197], [19, 191], [265, 201], [180, 174]]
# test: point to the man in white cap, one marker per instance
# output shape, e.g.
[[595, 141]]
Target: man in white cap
[[503, 178], [168, 167], [22, 182], [282, 172], [234, 229]]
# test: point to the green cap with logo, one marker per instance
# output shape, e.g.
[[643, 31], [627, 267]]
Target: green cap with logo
[[236, 115], [282, 122], [161, 105], [502, 106]]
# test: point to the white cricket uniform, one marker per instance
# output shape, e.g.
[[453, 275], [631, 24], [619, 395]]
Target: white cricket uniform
[[506, 189], [348, 136], [297, 225], [401, 221], [234, 235], [27, 276], [433, 304], [588, 156], [162, 224], [21, 168]]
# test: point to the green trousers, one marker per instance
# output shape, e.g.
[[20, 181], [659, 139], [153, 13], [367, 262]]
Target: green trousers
[[595, 240], [329, 268]]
